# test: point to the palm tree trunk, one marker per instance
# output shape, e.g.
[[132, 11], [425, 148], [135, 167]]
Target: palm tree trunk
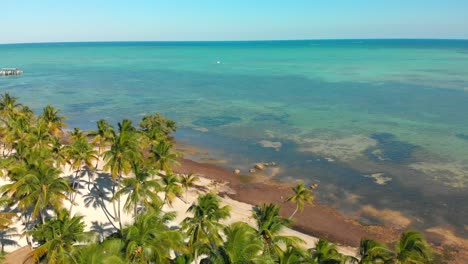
[[113, 201], [118, 204], [42, 215], [295, 211]]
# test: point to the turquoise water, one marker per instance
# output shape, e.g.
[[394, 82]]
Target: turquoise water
[[334, 112]]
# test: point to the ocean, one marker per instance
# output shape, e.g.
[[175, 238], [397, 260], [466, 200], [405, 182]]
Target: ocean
[[380, 125]]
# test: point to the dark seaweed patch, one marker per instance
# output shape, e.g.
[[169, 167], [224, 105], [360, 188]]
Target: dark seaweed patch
[[270, 117], [390, 149], [462, 136], [87, 105], [215, 121]]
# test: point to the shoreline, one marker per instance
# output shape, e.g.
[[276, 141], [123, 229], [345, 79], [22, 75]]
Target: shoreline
[[318, 220]]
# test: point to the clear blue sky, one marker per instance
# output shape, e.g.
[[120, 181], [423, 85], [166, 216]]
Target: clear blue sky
[[106, 20]]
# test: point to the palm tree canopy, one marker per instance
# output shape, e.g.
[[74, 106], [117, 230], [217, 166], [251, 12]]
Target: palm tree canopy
[[52, 119], [107, 252], [141, 189], [162, 156], [269, 224], [326, 253], [301, 196], [58, 236], [204, 227], [157, 127], [371, 251], [171, 188], [241, 245], [123, 151], [39, 187], [412, 248], [150, 240]]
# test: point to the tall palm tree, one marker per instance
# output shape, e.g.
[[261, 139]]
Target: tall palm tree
[[53, 120], [188, 181], [39, 188], [102, 136], [81, 155], [141, 190], [163, 157], [120, 157], [150, 240], [204, 228], [57, 238], [371, 251], [269, 225], [171, 188], [241, 245], [301, 196], [412, 248]]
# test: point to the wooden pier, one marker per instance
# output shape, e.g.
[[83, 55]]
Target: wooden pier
[[10, 71]]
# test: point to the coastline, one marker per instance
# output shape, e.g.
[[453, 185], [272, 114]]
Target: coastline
[[318, 220]]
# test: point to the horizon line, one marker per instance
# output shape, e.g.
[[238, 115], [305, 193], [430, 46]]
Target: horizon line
[[214, 41]]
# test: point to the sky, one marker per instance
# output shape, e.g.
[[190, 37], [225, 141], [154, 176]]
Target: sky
[[24, 21]]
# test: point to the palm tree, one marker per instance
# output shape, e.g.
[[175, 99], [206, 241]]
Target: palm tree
[[15, 131], [77, 134], [53, 120], [150, 240], [241, 246], [59, 152], [163, 157], [204, 227], [8, 105], [81, 155], [171, 188], [157, 127], [57, 238], [301, 196], [371, 251], [39, 188], [188, 181], [293, 255], [412, 248], [141, 190], [120, 157], [102, 136], [269, 225], [108, 252], [326, 253], [38, 137]]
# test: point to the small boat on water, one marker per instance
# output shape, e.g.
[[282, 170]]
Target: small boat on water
[[10, 71]]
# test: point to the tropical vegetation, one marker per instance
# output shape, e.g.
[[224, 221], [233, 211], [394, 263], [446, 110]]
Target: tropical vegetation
[[46, 167]]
